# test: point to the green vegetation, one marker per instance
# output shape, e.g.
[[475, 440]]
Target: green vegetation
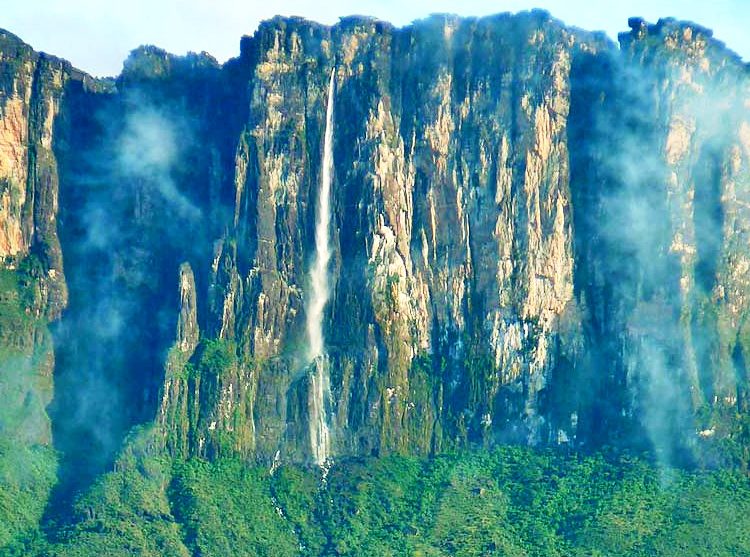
[[226, 509], [15, 322], [215, 357], [125, 512], [511, 501], [28, 466], [26, 478]]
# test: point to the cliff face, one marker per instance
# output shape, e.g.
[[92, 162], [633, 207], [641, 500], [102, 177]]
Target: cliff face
[[660, 171], [32, 283], [452, 236], [537, 238], [461, 212], [32, 86]]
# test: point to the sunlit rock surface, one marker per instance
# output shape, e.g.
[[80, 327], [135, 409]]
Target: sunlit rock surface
[[536, 237]]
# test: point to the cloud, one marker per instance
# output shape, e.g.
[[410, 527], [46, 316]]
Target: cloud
[[147, 152], [661, 231]]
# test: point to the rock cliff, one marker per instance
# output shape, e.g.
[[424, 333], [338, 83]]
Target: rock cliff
[[536, 238]]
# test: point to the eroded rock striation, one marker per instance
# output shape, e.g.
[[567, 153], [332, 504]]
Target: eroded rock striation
[[536, 237]]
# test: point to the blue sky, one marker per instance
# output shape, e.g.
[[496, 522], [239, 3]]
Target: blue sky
[[96, 35]]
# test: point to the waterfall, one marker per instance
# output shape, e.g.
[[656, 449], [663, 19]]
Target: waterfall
[[320, 438], [319, 271], [320, 390]]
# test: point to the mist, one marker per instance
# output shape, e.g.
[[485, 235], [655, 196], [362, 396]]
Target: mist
[[662, 137], [140, 194], [121, 190], [148, 149]]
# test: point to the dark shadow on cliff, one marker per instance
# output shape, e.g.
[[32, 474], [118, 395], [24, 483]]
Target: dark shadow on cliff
[[593, 87], [144, 186], [110, 342], [625, 278]]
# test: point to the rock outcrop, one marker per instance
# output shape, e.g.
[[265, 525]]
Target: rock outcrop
[[537, 237]]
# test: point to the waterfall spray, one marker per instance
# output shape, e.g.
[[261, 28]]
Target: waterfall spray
[[320, 437]]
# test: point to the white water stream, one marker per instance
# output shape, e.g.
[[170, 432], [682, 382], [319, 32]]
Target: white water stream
[[320, 436]]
